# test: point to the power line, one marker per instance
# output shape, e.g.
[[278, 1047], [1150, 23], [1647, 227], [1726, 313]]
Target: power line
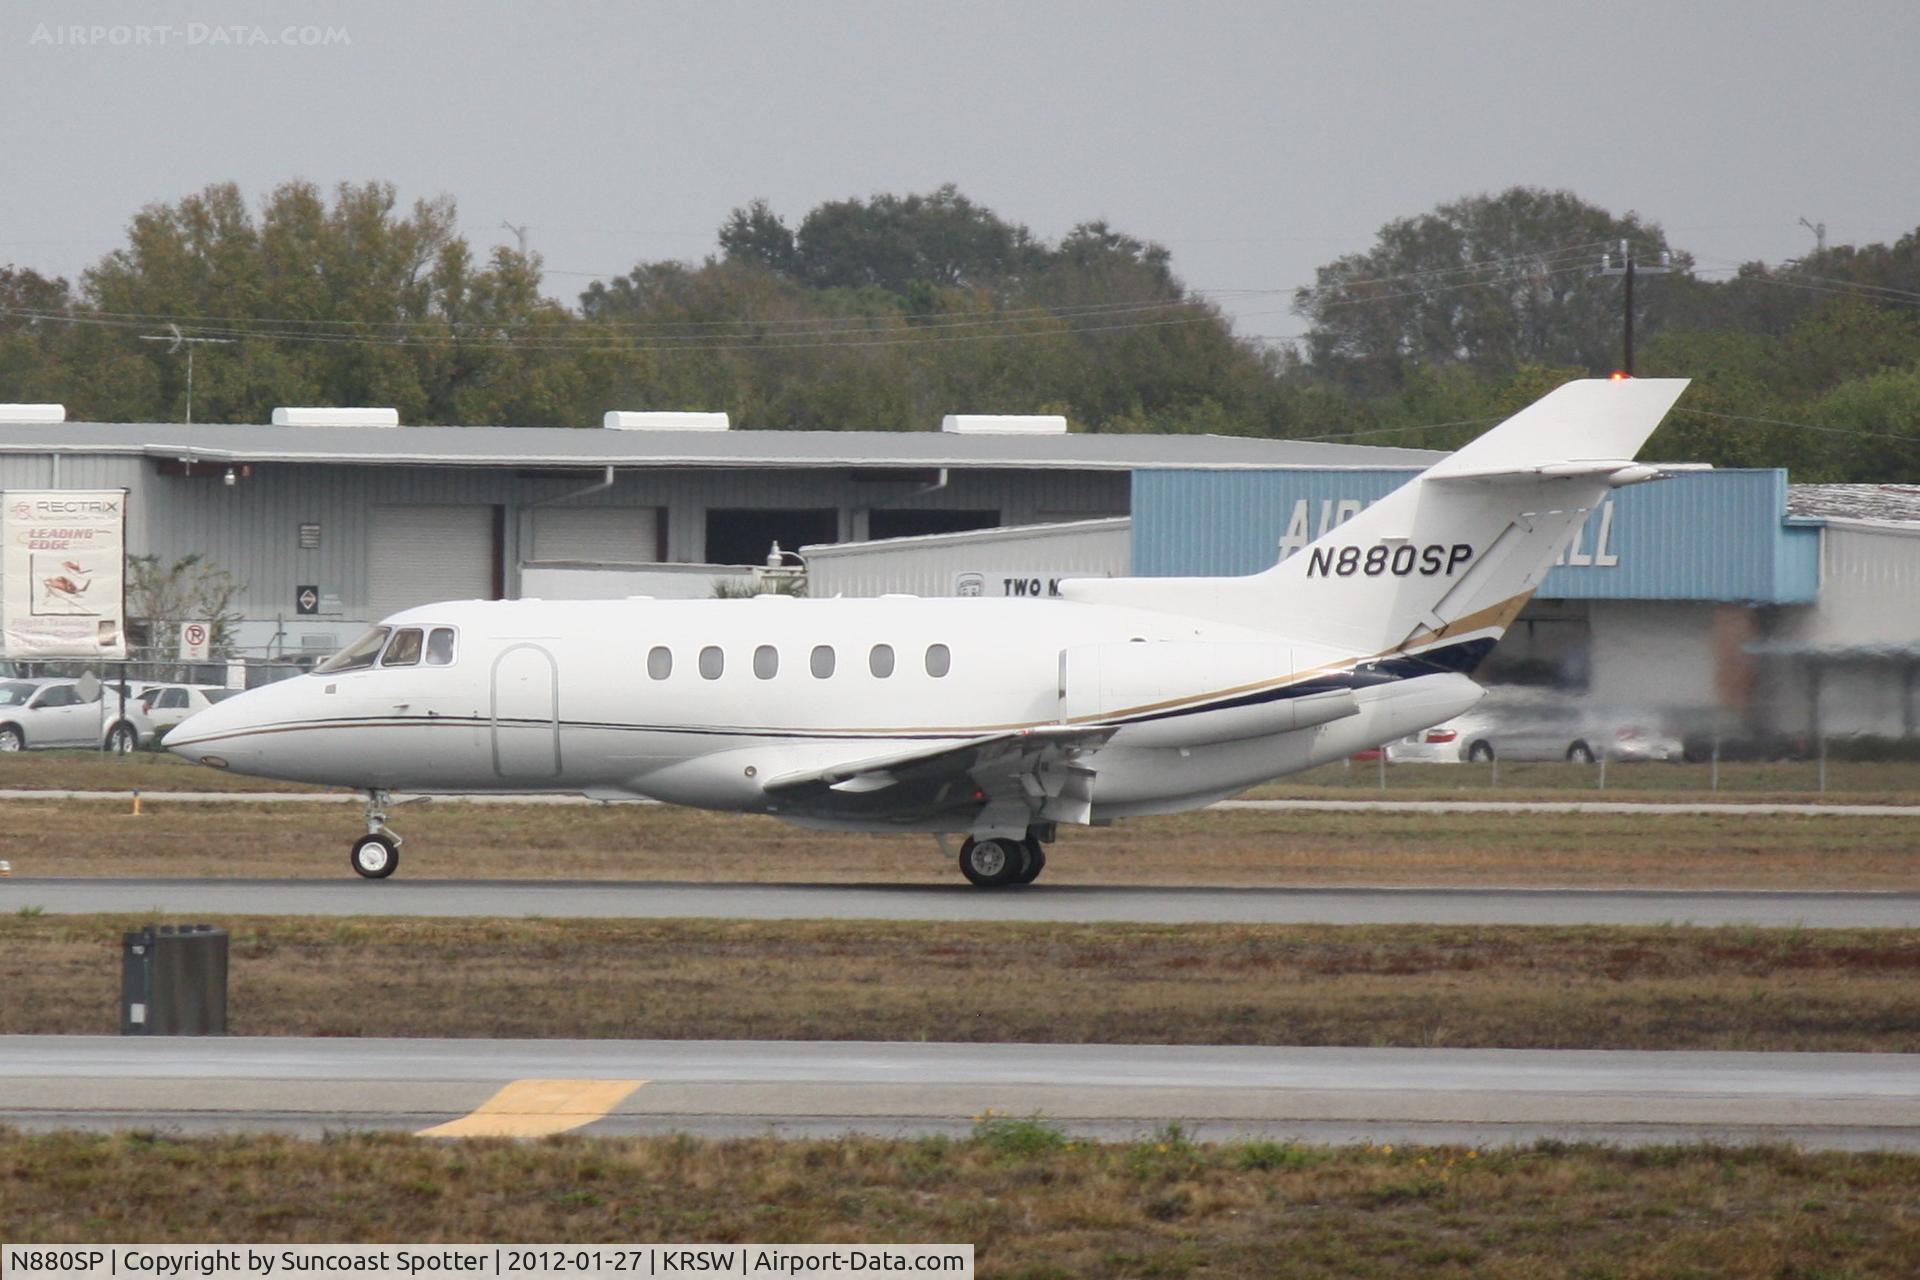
[[176, 340], [1799, 426], [1388, 431], [587, 342]]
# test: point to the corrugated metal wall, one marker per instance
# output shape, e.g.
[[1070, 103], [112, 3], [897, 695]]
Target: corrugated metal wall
[[1711, 536], [937, 565], [1869, 589], [252, 528]]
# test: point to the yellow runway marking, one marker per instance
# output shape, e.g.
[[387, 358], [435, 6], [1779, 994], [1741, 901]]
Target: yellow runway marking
[[534, 1108]]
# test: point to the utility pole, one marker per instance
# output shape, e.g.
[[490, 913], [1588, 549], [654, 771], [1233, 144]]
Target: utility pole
[[175, 340], [1630, 267], [519, 233]]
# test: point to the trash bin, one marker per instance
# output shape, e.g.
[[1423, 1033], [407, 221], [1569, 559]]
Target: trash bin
[[173, 981]]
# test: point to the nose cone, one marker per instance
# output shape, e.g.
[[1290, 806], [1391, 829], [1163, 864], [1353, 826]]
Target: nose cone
[[226, 733]]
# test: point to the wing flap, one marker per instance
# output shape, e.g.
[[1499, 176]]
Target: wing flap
[[1007, 780]]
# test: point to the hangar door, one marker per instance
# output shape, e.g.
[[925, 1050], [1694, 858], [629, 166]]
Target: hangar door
[[417, 555], [597, 535]]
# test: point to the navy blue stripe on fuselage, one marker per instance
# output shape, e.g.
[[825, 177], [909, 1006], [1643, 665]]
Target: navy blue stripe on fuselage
[[1461, 658]]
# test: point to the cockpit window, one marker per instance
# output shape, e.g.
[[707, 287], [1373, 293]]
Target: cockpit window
[[440, 647], [404, 649], [356, 656]]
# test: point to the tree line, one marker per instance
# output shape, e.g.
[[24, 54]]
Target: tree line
[[883, 313]]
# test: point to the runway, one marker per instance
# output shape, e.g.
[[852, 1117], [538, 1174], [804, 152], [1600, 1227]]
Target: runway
[[620, 1087], [345, 896]]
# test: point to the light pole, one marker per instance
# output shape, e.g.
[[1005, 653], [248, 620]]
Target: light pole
[[1630, 267]]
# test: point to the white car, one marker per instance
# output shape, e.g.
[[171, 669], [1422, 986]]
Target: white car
[[168, 704], [57, 713]]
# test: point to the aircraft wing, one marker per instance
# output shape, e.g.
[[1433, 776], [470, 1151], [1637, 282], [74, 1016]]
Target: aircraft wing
[[995, 784]]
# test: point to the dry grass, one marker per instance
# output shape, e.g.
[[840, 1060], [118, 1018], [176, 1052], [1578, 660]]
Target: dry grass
[[1032, 1204], [1591, 988], [1788, 781], [652, 842], [1848, 781], [147, 770]]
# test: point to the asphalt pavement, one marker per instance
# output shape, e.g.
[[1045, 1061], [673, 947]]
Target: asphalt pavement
[[194, 899], [609, 1087]]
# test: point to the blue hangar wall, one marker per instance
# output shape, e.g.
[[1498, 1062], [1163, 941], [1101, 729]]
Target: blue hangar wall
[[1705, 536]]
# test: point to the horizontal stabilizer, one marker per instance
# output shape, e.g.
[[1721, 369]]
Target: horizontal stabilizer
[[1616, 473]]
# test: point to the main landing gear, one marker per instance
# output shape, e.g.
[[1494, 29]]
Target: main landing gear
[[997, 860], [377, 854]]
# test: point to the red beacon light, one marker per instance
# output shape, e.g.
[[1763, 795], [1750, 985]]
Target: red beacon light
[[1618, 375]]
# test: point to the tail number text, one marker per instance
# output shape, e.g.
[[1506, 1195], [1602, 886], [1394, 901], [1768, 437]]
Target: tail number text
[[1397, 560]]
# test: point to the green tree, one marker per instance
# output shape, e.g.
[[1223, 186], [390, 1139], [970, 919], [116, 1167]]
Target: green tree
[[756, 234], [896, 242], [352, 301], [1489, 281]]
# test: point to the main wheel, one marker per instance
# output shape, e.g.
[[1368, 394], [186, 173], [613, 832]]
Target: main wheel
[[1036, 862], [1480, 752], [375, 856], [121, 739], [10, 739], [1580, 753], [992, 862]]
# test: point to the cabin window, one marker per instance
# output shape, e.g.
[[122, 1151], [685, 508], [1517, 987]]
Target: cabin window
[[357, 655], [659, 662], [880, 661], [440, 647], [404, 649], [766, 662], [820, 661], [712, 662]]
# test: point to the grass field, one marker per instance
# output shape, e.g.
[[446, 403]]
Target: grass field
[[1584, 988], [657, 842], [1033, 1204]]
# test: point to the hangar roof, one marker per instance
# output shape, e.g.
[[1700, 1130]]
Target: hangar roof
[[1894, 504], [534, 447]]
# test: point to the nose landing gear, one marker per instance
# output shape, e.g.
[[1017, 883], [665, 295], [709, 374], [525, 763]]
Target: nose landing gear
[[377, 854]]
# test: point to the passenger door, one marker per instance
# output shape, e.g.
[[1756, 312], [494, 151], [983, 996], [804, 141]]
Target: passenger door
[[525, 714]]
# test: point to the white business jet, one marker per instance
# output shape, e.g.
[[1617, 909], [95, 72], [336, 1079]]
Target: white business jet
[[990, 719]]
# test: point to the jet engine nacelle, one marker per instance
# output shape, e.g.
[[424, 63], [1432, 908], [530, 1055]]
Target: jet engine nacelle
[[1177, 693]]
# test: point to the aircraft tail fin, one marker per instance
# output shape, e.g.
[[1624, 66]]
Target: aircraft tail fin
[[1440, 567]]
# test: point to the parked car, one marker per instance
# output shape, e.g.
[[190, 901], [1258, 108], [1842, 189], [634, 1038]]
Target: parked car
[[58, 713], [1538, 729], [168, 704]]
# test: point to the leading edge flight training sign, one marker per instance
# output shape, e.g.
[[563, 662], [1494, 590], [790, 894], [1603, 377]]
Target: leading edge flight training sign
[[63, 573]]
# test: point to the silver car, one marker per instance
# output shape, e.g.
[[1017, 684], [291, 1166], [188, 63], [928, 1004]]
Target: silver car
[[1537, 729], [58, 713]]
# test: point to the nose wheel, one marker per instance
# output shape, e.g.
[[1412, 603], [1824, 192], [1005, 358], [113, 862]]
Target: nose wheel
[[376, 855]]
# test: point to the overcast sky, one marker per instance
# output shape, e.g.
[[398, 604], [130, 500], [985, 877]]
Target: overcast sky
[[1256, 141]]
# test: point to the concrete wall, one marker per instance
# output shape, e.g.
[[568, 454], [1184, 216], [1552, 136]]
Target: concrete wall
[[1653, 655]]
